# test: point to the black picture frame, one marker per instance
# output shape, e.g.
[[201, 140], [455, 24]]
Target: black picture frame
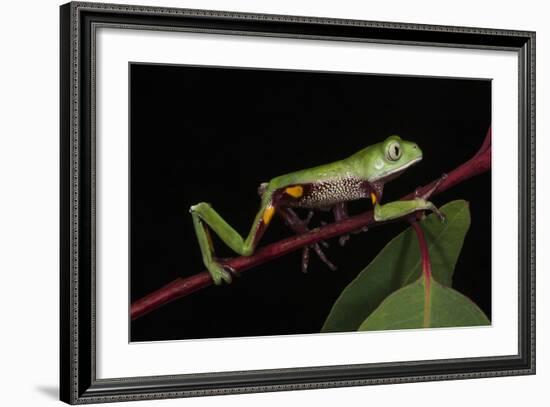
[[78, 381]]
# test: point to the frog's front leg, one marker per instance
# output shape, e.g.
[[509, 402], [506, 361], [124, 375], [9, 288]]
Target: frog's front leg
[[397, 209], [340, 212], [204, 213]]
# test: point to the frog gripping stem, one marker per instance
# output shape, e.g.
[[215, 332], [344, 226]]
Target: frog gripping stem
[[299, 226], [480, 163]]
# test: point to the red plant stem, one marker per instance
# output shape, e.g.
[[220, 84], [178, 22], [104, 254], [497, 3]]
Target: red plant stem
[[424, 253], [426, 270], [181, 287]]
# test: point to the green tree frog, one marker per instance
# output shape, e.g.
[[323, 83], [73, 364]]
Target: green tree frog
[[359, 176]]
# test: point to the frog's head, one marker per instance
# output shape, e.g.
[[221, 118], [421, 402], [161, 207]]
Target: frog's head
[[391, 157]]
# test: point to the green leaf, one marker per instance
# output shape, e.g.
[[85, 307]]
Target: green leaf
[[398, 264], [415, 307]]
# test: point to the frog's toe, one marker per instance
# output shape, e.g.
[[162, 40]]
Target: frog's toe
[[343, 240], [220, 274], [227, 276], [439, 214]]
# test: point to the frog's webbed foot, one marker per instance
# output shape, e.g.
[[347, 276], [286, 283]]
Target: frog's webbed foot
[[221, 272], [439, 214], [426, 195], [320, 254], [299, 226]]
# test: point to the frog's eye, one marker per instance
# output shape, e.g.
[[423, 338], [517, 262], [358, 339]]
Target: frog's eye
[[394, 151]]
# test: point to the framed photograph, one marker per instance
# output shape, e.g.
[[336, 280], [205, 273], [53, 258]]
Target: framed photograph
[[255, 203]]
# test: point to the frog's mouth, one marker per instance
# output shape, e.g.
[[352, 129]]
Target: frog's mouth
[[393, 174]]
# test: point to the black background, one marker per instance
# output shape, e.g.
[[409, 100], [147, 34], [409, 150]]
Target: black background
[[214, 134]]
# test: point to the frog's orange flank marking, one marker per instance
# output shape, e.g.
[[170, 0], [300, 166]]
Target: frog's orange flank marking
[[373, 198], [268, 214], [295, 192]]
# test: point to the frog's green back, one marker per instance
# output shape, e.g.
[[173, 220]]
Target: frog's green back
[[372, 163]]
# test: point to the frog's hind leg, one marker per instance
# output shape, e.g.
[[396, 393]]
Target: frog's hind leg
[[216, 270], [204, 217]]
